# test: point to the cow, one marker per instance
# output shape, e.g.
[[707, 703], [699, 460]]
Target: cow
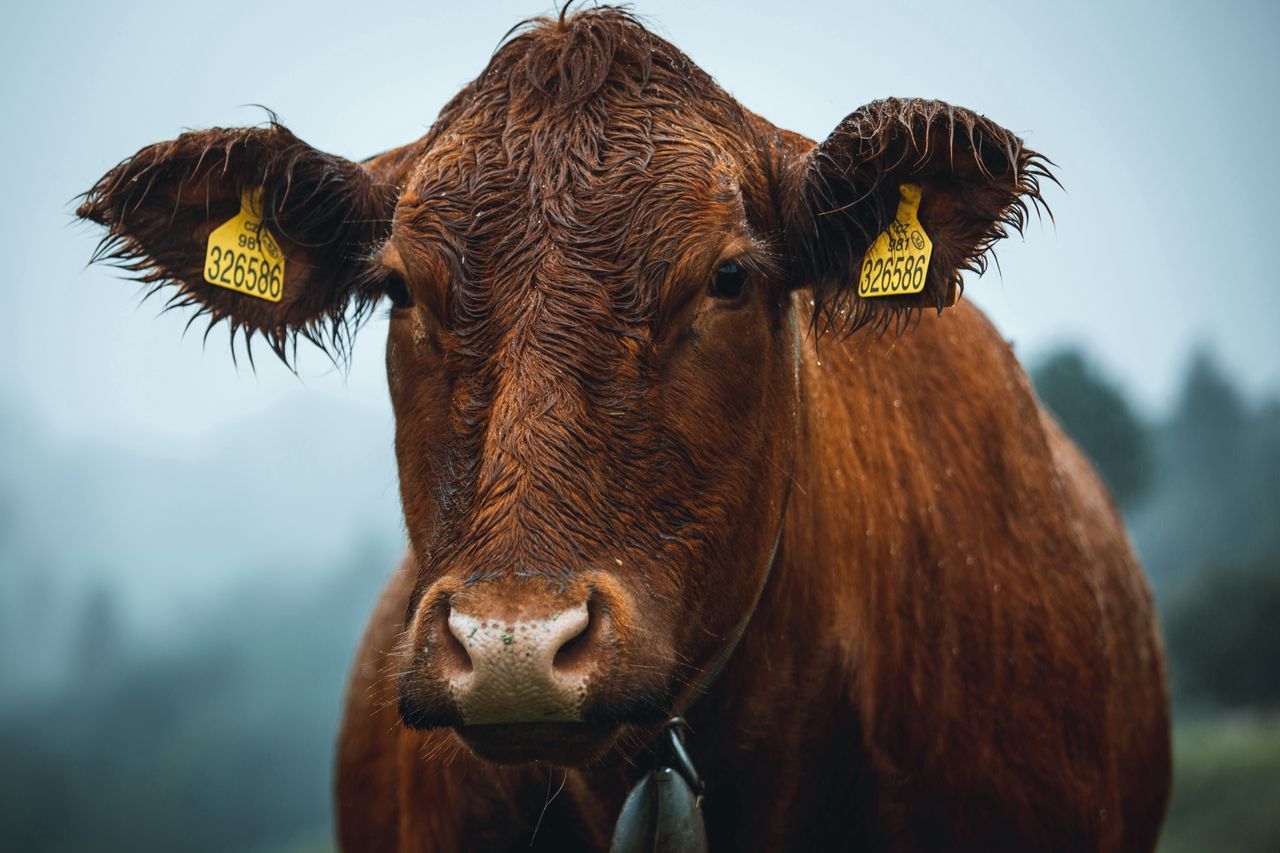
[[691, 421]]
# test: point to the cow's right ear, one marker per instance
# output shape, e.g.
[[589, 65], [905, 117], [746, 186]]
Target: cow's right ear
[[250, 225]]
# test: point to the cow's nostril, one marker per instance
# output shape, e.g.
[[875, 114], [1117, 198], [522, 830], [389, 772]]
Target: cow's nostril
[[575, 656], [454, 660]]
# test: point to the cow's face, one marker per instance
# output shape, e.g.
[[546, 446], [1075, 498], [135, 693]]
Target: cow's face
[[592, 262], [593, 371]]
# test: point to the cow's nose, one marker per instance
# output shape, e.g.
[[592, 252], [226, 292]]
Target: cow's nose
[[521, 671]]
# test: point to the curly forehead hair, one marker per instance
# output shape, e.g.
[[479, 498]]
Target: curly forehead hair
[[589, 150]]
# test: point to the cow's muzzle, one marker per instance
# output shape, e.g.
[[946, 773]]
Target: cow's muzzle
[[525, 668]]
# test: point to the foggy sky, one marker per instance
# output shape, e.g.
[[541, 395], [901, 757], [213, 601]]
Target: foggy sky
[[1161, 119]]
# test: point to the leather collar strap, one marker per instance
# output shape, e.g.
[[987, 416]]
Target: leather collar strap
[[712, 672]]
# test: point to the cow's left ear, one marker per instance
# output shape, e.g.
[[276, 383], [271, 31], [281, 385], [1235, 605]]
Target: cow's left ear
[[901, 184], [252, 226]]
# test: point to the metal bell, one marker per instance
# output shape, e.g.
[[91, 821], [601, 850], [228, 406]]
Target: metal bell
[[661, 815]]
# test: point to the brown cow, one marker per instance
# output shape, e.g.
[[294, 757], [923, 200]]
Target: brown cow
[[624, 444]]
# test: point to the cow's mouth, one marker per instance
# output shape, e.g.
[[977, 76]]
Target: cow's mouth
[[564, 744]]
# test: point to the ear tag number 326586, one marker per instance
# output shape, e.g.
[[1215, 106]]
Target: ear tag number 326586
[[243, 256], [898, 261]]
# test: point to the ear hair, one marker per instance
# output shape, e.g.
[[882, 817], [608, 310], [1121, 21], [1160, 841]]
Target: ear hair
[[979, 180], [160, 205]]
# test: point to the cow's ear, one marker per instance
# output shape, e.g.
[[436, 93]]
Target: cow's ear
[[252, 226], [897, 185]]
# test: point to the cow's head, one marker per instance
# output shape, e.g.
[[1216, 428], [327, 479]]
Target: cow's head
[[599, 268]]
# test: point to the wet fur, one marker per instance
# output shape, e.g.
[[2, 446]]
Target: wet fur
[[955, 649]]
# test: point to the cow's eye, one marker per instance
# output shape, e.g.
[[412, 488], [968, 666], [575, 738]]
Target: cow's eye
[[397, 291], [729, 283]]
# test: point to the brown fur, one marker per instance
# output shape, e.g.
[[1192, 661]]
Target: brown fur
[[954, 648]]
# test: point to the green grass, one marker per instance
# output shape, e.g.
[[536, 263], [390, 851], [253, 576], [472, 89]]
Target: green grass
[[1226, 787]]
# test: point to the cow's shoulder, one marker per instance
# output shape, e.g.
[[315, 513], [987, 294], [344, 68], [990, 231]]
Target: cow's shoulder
[[987, 596]]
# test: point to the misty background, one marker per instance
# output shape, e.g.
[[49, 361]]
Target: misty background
[[189, 548]]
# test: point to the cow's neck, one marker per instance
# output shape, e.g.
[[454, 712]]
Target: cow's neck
[[704, 684], [784, 689]]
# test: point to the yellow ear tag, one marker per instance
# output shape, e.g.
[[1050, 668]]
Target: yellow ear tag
[[243, 256], [898, 261]]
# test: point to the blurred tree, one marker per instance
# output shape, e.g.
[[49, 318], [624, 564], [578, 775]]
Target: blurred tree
[[98, 635], [1218, 460], [1096, 414], [220, 739], [1222, 640], [1210, 420]]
